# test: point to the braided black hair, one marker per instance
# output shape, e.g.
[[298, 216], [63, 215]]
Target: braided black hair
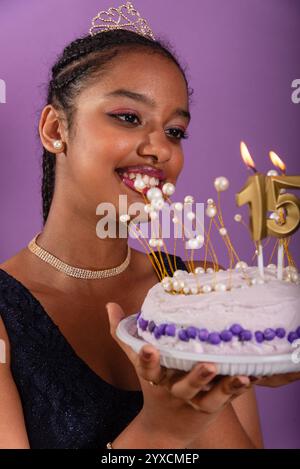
[[81, 61]]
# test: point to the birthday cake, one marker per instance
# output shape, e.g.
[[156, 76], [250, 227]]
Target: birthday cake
[[224, 312], [244, 310]]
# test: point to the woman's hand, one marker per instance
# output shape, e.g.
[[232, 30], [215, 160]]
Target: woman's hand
[[177, 403]]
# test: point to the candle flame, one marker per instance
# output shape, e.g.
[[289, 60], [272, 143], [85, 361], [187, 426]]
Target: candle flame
[[246, 156], [277, 161]]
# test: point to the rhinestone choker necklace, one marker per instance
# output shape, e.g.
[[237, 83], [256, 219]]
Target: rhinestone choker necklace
[[76, 271]]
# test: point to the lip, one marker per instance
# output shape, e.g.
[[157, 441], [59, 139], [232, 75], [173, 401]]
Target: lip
[[149, 170]]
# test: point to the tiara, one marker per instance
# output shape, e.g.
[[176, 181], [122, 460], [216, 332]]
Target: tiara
[[123, 17]]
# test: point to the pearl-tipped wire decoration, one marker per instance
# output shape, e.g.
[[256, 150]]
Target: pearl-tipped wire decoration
[[232, 252], [159, 235], [189, 216], [221, 184], [272, 253], [209, 246], [213, 253], [286, 242], [208, 243], [241, 221], [156, 264], [190, 268], [151, 192]]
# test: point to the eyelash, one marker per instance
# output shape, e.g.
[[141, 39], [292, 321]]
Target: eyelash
[[183, 135]]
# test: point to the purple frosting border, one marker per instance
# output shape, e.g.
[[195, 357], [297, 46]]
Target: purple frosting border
[[215, 337]]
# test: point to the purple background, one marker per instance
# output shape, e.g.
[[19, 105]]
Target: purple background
[[242, 56]]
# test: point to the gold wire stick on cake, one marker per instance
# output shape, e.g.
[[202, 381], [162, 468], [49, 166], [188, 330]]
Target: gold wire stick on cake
[[164, 246], [154, 261]]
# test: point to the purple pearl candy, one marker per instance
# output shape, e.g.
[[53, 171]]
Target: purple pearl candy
[[203, 334], [245, 335], [170, 330], [259, 336], [143, 324], [162, 328], [157, 333], [280, 332], [183, 335], [269, 334], [191, 332], [214, 338], [292, 336], [236, 329], [298, 331], [226, 335], [151, 326]]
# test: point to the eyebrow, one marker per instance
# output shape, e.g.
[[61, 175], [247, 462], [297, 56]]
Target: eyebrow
[[146, 100]]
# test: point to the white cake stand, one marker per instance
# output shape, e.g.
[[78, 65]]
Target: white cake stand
[[249, 365]]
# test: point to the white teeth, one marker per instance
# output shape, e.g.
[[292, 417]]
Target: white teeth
[[145, 178]]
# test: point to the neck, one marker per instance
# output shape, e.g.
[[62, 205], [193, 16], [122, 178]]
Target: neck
[[73, 239]]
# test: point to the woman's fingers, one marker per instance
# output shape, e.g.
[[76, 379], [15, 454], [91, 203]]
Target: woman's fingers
[[223, 392], [115, 315], [148, 365], [194, 382]]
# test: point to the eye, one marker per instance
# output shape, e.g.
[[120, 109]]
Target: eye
[[126, 117], [131, 118], [178, 134]]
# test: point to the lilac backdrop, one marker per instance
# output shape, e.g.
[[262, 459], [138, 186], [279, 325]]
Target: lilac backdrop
[[242, 56]]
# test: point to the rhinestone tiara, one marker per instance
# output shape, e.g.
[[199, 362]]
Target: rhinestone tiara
[[123, 17]]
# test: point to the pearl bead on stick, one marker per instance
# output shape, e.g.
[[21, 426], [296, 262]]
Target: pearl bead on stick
[[221, 184], [124, 218], [168, 188], [178, 206], [189, 199], [154, 193], [211, 211]]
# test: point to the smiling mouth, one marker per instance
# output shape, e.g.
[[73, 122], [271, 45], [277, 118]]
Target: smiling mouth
[[151, 177]]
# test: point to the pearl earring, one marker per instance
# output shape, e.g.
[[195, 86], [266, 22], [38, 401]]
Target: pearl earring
[[58, 144]]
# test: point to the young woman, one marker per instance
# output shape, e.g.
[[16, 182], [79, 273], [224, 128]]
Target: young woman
[[117, 101]]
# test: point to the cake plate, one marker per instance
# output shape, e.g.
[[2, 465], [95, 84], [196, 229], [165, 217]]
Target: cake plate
[[247, 365]]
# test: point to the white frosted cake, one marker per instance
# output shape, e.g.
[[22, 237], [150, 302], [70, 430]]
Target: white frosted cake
[[230, 312]]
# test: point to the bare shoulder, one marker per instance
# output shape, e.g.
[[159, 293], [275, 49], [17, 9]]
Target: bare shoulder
[[12, 426], [4, 347], [15, 264]]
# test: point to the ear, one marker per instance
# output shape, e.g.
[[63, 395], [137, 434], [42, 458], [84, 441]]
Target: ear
[[51, 129]]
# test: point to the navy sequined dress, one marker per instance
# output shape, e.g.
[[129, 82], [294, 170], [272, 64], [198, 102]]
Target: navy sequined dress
[[65, 403]]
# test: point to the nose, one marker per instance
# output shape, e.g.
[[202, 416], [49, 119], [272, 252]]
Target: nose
[[155, 147]]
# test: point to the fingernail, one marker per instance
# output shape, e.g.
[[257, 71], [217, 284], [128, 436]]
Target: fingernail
[[238, 384], [146, 355], [205, 372]]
